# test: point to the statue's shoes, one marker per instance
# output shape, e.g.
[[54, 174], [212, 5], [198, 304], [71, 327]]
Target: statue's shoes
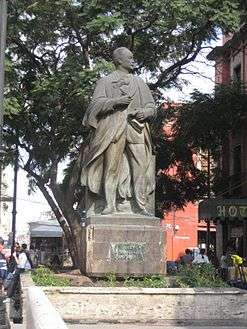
[[109, 211], [144, 212]]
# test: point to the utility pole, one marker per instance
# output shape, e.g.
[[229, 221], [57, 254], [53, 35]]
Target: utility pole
[[14, 212], [3, 33], [209, 195]]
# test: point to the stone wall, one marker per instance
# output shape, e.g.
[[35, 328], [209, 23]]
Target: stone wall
[[188, 306], [40, 313], [4, 323]]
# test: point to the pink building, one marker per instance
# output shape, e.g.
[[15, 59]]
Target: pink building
[[230, 212], [183, 228]]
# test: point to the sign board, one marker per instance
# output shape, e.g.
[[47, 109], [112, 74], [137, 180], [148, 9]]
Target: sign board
[[223, 209]]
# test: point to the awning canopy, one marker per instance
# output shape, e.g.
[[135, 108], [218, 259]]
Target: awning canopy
[[223, 209], [43, 230]]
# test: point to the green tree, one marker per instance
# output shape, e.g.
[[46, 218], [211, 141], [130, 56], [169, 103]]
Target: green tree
[[56, 50], [201, 125]]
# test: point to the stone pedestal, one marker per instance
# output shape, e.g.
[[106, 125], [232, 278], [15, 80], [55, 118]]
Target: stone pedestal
[[124, 245]]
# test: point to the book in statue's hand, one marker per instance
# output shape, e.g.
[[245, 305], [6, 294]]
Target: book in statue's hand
[[137, 125]]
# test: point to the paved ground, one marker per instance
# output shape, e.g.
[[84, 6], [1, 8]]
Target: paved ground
[[128, 326], [133, 326]]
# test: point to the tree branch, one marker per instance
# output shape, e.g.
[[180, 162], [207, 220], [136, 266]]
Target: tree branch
[[35, 59], [49, 199], [176, 68]]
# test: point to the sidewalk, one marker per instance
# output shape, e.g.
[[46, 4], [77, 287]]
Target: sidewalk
[[135, 326], [127, 326]]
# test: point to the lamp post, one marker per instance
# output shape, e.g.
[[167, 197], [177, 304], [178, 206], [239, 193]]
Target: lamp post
[[14, 212], [3, 32]]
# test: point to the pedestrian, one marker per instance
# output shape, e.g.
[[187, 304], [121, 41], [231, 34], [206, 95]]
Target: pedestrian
[[17, 249], [213, 259], [33, 255], [224, 266], [23, 263], [201, 258], [238, 265], [3, 264], [187, 258]]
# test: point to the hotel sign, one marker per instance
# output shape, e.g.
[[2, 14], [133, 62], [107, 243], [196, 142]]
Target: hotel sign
[[223, 208], [231, 211]]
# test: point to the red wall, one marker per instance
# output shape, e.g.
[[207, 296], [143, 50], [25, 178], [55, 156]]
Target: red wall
[[181, 229]]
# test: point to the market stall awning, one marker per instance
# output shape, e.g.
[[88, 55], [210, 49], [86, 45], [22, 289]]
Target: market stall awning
[[42, 230], [223, 209]]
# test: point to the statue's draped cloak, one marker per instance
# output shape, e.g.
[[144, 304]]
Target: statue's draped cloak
[[108, 125]]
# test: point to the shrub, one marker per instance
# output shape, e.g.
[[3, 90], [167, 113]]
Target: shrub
[[111, 280], [154, 281], [199, 275], [43, 276]]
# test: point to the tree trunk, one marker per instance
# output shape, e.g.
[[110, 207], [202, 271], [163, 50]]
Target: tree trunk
[[70, 223], [61, 204]]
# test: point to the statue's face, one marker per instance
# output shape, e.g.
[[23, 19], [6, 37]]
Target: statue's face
[[126, 60]]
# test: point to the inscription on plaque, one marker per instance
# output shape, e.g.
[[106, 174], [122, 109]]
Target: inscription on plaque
[[128, 251]]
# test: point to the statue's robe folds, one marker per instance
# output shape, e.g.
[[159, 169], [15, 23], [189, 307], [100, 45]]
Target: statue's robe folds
[[109, 124]]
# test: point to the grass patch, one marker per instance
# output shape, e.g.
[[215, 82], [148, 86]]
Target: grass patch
[[43, 276]]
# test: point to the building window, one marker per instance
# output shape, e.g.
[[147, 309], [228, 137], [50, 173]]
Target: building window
[[236, 179], [237, 159], [237, 73]]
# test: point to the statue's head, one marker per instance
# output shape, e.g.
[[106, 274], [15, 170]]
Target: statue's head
[[123, 58]]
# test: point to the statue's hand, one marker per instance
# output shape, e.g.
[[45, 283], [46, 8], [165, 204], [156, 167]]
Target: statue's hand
[[124, 100], [140, 115]]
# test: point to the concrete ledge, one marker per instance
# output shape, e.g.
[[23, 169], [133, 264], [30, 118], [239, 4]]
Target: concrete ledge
[[143, 291], [40, 313], [177, 305]]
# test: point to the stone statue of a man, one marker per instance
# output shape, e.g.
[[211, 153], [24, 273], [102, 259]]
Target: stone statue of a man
[[118, 167]]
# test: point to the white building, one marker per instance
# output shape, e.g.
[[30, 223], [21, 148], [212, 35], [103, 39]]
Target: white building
[[6, 204]]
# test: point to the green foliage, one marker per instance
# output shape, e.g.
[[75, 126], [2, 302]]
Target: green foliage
[[111, 280], [199, 275], [206, 120], [43, 276], [197, 127], [154, 281], [57, 50]]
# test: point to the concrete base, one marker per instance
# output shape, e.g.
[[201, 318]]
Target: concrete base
[[184, 306], [124, 245]]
